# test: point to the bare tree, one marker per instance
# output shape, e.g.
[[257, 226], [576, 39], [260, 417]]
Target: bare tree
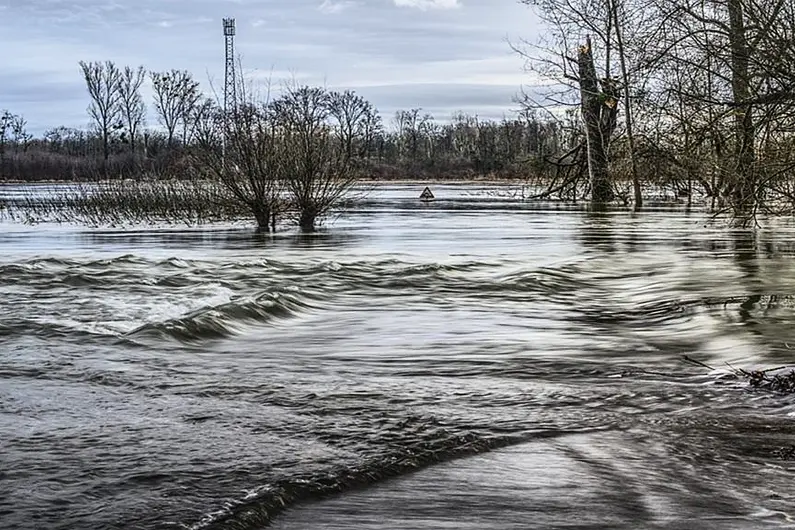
[[745, 126], [599, 116], [730, 88], [617, 8], [133, 109], [6, 121], [189, 112], [243, 154], [599, 30], [175, 95], [102, 81], [372, 129], [411, 125], [315, 164], [21, 135], [353, 114]]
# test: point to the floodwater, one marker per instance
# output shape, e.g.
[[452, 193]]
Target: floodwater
[[470, 363]]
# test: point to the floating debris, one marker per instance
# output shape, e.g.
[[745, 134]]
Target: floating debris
[[773, 379], [781, 382]]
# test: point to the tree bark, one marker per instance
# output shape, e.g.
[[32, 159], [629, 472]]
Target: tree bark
[[263, 217], [745, 185], [592, 105], [307, 221], [627, 110]]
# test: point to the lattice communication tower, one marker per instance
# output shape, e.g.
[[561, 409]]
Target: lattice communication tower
[[230, 96]]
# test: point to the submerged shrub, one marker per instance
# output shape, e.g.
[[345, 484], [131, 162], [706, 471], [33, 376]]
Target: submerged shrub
[[122, 202], [298, 153], [241, 153]]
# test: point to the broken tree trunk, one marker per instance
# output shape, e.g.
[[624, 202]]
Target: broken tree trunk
[[599, 117]]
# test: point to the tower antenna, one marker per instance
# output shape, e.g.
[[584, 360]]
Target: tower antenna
[[230, 96]]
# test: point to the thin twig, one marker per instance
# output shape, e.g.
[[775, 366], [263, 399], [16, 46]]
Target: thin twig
[[697, 362]]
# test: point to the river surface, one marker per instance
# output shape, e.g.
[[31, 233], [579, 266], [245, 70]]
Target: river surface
[[470, 363]]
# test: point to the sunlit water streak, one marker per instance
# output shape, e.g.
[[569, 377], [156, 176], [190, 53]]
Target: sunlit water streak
[[209, 378]]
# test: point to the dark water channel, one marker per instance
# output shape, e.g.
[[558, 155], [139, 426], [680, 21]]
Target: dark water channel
[[473, 363]]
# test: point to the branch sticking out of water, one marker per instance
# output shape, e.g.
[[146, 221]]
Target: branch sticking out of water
[[767, 379], [689, 359]]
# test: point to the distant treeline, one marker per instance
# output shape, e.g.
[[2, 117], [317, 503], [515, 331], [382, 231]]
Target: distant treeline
[[412, 144]]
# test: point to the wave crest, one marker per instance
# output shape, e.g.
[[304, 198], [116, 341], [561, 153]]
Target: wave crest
[[225, 320]]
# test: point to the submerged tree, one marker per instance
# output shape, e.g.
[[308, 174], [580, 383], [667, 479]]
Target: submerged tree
[[740, 47], [299, 151], [243, 153], [599, 106], [317, 165], [579, 61], [611, 39], [707, 89]]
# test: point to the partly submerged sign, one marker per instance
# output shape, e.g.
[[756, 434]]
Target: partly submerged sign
[[426, 195]]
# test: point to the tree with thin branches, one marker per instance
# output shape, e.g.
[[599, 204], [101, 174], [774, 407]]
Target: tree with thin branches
[[175, 95], [102, 81], [133, 109]]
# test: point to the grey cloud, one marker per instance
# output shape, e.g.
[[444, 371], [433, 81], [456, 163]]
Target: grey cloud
[[37, 89], [442, 100], [424, 5], [370, 45]]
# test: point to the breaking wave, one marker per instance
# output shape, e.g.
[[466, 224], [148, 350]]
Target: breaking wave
[[227, 319]]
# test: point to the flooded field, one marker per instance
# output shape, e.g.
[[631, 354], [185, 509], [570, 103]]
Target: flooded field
[[475, 362]]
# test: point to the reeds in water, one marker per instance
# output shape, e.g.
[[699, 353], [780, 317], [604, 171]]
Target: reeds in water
[[124, 202]]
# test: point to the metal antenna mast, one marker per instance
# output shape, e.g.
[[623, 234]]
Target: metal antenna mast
[[230, 95]]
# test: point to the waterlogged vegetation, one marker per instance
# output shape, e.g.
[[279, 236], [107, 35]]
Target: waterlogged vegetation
[[295, 156], [124, 202], [693, 100], [698, 92]]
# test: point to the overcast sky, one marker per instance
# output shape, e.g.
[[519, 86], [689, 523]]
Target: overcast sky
[[441, 55]]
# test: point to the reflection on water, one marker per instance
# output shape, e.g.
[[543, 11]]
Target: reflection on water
[[211, 378], [745, 253], [229, 239], [597, 231]]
